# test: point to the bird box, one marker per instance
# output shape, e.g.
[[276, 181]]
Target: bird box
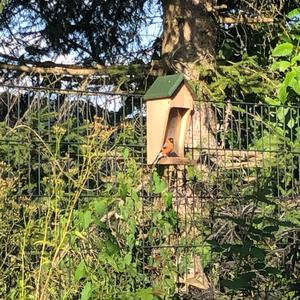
[[169, 102]]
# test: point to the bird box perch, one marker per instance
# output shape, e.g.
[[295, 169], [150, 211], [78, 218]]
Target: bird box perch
[[170, 102]]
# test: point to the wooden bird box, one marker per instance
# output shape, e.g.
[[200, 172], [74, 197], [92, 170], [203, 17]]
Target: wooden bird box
[[170, 102]]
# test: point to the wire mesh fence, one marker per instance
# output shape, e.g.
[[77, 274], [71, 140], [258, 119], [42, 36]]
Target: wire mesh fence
[[84, 216]]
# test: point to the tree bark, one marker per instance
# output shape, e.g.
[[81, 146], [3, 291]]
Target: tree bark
[[188, 46], [189, 43], [189, 37]]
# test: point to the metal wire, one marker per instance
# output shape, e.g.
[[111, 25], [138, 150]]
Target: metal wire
[[238, 149]]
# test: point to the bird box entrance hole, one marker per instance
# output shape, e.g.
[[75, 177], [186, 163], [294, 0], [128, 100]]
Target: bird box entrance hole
[[176, 129]]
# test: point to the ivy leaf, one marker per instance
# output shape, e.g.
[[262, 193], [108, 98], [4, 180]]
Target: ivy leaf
[[284, 49]]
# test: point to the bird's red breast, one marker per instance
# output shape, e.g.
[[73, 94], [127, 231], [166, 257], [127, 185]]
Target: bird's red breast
[[168, 147]]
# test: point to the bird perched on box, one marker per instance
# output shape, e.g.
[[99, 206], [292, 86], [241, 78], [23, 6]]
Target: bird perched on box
[[166, 149]]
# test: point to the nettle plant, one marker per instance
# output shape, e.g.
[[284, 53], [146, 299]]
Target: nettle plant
[[75, 224]]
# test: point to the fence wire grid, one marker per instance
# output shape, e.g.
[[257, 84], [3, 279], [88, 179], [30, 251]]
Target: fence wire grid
[[67, 153]]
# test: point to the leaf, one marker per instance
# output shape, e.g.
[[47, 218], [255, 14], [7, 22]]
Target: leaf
[[127, 258], [86, 219], [257, 252], [126, 153], [294, 13], [145, 294], [281, 113], [272, 270], [87, 291], [80, 271], [239, 249], [295, 85], [159, 184], [289, 77], [271, 101], [168, 199], [271, 228], [101, 207], [291, 123], [240, 282], [111, 248], [282, 94], [284, 49], [295, 59], [281, 65]]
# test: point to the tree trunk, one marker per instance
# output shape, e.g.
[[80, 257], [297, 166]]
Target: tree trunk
[[189, 37], [188, 46]]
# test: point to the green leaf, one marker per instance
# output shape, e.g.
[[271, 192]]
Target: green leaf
[[257, 252], [281, 113], [159, 184], [295, 59], [294, 13], [87, 291], [271, 101], [281, 65], [128, 258], [145, 294], [126, 153], [168, 199], [289, 77], [111, 248], [86, 219], [80, 271], [101, 207], [282, 95], [241, 282], [239, 250], [291, 123], [295, 85], [272, 270], [284, 49]]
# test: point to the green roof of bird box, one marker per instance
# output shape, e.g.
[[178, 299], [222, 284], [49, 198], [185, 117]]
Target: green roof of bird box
[[164, 87]]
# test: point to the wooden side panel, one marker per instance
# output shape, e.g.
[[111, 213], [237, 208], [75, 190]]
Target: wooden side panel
[[157, 118]]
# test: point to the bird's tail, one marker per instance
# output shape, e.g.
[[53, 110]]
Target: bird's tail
[[158, 157]]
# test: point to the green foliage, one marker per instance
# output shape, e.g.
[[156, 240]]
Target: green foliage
[[254, 215], [83, 236]]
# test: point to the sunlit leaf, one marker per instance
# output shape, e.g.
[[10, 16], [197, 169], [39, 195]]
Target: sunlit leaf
[[294, 13], [86, 292], [284, 49]]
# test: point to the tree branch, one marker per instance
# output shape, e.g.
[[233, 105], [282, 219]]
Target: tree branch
[[60, 69], [245, 20]]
